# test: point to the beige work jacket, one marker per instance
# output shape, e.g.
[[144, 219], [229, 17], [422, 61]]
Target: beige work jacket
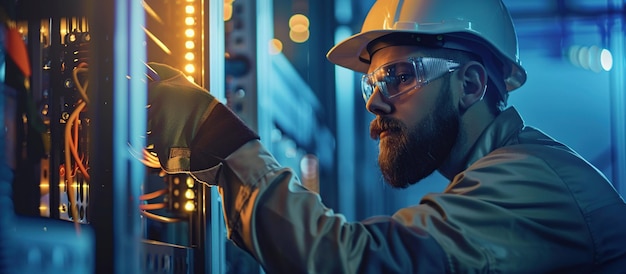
[[524, 204]]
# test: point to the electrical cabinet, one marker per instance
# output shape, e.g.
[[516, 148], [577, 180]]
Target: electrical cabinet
[[83, 192]]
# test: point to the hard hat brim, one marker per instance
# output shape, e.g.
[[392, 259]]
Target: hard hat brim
[[351, 53]]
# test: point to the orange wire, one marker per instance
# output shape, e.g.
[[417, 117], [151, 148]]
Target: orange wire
[[72, 147], [68, 175], [74, 143], [159, 217], [152, 195], [152, 206]]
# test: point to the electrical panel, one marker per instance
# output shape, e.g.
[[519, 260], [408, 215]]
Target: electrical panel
[[77, 200]]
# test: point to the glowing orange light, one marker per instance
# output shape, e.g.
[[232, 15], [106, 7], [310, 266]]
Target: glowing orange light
[[298, 20], [276, 46], [190, 68], [189, 9], [189, 206], [189, 194], [228, 12], [190, 33], [190, 21], [299, 37]]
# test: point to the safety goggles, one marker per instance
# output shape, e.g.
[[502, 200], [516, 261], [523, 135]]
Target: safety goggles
[[399, 77]]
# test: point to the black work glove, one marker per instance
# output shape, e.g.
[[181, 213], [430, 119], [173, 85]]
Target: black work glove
[[189, 128]]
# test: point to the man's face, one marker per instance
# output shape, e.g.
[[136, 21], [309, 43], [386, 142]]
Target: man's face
[[409, 153], [416, 130]]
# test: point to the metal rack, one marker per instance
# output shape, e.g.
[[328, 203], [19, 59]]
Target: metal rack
[[111, 235]]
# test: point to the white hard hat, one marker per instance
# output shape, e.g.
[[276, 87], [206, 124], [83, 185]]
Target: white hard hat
[[483, 27]]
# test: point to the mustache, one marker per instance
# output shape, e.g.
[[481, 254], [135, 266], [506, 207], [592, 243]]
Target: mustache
[[384, 124]]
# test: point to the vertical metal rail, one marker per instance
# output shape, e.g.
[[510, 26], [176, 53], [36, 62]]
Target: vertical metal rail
[[6, 175], [55, 115], [129, 116], [215, 243], [117, 78], [36, 79], [264, 33], [346, 117], [617, 36]]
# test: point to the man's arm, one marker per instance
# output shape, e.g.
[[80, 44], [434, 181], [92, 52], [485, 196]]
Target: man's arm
[[288, 229]]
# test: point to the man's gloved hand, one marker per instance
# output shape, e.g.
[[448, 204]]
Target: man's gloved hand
[[189, 128]]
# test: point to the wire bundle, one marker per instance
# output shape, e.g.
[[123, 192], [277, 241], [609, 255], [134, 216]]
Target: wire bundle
[[153, 206], [71, 143]]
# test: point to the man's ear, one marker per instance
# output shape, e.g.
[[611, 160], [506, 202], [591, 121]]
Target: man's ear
[[474, 84]]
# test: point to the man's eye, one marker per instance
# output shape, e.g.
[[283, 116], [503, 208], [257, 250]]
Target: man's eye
[[403, 78]]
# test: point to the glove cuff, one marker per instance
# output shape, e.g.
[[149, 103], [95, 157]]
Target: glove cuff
[[220, 134]]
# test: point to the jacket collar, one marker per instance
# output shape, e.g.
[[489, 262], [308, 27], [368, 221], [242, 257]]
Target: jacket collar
[[501, 132]]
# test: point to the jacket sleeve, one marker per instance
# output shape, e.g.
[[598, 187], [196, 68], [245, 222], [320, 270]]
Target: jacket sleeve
[[288, 230], [510, 212]]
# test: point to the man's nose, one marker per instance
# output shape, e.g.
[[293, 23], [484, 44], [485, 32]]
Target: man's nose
[[378, 104]]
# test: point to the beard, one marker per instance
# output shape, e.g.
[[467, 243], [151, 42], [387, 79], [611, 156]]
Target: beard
[[409, 154]]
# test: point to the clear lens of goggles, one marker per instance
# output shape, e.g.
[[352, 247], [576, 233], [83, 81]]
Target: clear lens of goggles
[[399, 77]]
